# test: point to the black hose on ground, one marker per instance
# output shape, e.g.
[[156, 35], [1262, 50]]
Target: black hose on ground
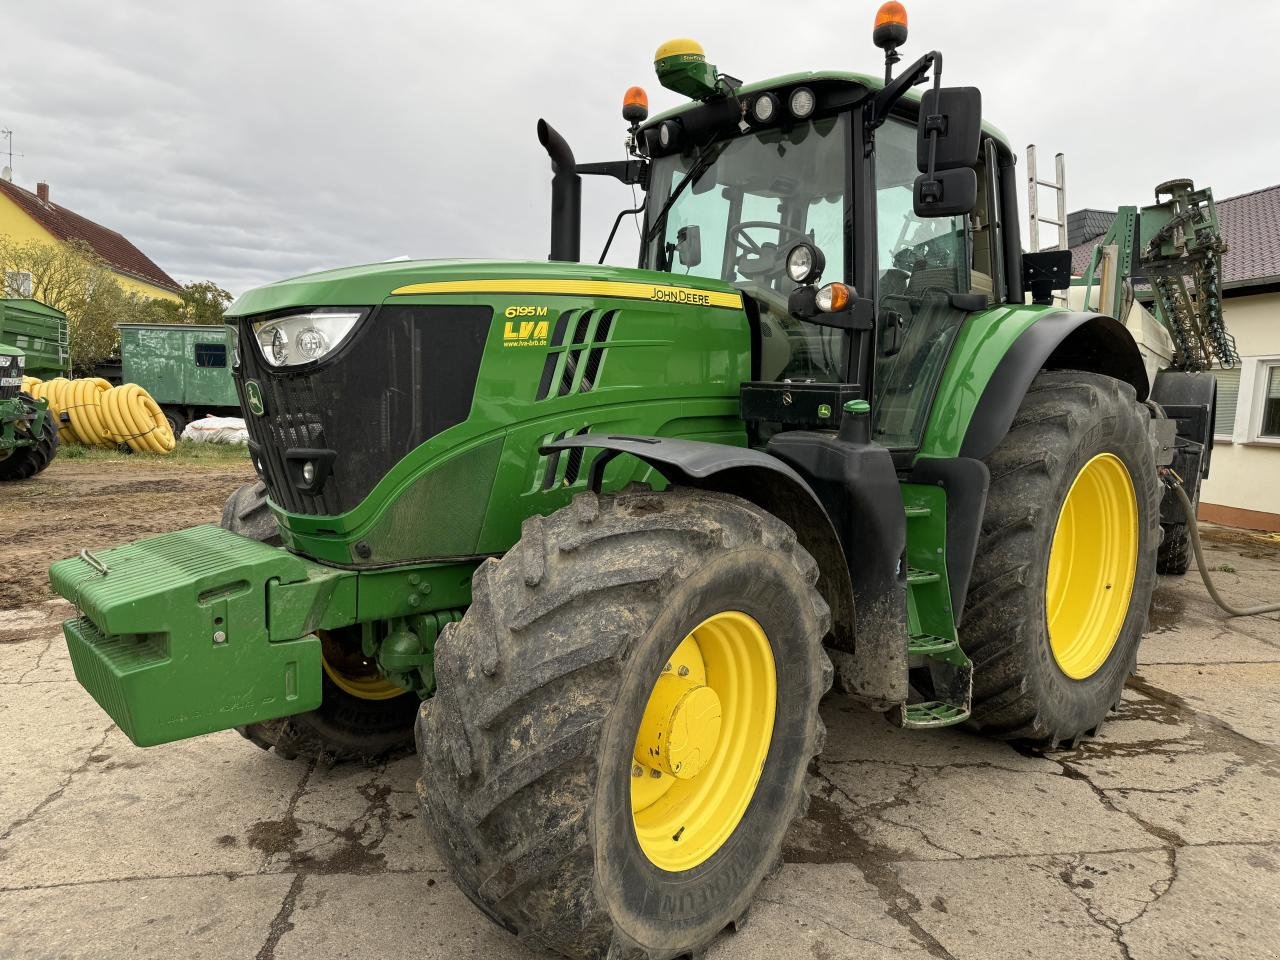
[[1193, 530]]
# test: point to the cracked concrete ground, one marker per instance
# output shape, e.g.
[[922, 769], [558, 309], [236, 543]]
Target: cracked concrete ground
[[1159, 839]]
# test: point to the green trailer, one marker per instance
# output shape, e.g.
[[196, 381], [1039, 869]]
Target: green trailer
[[40, 331], [603, 537], [185, 367]]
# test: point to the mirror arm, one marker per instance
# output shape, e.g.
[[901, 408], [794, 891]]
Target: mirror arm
[[885, 100], [628, 171]]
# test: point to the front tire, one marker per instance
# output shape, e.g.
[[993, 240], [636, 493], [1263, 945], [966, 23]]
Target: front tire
[[360, 717], [1066, 560], [23, 463], [543, 774]]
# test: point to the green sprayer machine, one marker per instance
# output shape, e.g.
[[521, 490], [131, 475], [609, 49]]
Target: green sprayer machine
[[600, 539]]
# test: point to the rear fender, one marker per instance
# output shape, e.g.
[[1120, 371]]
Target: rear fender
[[1057, 341], [754, 476]]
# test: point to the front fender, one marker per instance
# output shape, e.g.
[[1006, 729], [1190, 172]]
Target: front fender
[[752, 475]]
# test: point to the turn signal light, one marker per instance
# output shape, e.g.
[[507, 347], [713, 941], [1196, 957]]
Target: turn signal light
[[832, 298], [635, 105]]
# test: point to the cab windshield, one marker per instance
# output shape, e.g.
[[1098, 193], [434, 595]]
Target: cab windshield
[[757, 195]]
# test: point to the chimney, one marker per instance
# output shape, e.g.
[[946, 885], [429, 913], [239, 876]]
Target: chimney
[[42, 191]]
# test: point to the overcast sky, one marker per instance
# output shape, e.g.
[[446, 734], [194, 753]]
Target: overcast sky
[[244, 142]]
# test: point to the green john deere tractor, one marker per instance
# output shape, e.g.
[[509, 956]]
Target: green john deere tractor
[[28, 435], [600, 539]]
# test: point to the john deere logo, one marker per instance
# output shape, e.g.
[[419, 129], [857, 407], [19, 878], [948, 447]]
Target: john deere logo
[[524, 333], [253, 396]]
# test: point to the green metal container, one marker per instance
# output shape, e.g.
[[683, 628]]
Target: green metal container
[[40, 331], [180, 365]]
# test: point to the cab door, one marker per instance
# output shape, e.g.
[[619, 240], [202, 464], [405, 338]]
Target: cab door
[[922, 263]]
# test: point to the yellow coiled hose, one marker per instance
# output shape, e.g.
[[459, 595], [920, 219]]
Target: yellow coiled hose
[[136, 419], [99, 414], [29, 385]]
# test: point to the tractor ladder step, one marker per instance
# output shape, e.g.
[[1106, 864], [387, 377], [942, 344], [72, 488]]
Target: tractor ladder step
[[931, 714], [927, 645], [916, 576]]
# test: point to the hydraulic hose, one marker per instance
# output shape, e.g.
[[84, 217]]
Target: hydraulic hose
[[1192, 529]]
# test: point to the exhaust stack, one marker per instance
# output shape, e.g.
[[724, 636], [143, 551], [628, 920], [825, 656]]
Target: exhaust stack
[[566, 196]]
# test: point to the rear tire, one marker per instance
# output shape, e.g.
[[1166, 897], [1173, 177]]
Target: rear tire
[[23, 463], [1174, 558], [344, 726], [177, 421], [1021, 687], [528, 748]]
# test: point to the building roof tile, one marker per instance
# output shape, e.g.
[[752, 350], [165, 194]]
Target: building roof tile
[[111, 246]]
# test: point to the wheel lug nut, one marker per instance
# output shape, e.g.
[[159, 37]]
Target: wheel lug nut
[[683, 671], [655, 774], [637, 770]]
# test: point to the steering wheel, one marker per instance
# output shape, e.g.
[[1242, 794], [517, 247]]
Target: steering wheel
[[757, 259]]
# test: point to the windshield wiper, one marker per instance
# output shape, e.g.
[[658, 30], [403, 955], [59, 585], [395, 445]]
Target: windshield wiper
[[706, 157]]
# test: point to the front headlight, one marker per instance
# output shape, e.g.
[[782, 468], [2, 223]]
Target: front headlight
[[300, 338]]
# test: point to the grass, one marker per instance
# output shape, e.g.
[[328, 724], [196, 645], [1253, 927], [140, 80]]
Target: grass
[[186, 451]]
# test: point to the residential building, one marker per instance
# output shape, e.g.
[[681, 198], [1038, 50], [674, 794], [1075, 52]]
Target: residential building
[[27, 216]]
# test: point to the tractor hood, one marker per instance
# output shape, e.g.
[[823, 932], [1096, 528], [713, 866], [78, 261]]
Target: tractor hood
[[377, 283]]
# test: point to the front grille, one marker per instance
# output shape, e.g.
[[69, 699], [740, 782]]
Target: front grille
[[408, 374], [10, 376]]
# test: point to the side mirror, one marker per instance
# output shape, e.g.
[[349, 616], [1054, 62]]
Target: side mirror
[[689, 245], [955, 113], [947, 193], [947, 140]]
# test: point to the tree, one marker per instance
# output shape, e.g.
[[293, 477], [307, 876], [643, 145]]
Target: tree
[[74, 279], [204, 302]]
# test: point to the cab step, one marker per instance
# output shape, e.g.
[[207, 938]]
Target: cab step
[[928, 645], [932, 714]]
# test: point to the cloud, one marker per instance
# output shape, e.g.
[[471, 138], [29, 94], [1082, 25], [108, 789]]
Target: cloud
[[245, 142]]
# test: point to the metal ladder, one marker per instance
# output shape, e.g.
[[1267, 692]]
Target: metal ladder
[[1059, 187]]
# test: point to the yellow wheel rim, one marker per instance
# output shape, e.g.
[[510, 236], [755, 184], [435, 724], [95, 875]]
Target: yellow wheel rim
[[702, 743], [1092, 565], [366, 687]]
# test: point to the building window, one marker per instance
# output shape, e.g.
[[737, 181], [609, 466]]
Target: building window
[[1270, 426], [211, 354], [1224, 421]]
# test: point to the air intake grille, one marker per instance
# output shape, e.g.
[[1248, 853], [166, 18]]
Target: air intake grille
[[563, 467], [409, 373], [574, 367]]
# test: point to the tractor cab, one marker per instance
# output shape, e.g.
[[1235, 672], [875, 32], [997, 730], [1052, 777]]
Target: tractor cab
[[862, 223]]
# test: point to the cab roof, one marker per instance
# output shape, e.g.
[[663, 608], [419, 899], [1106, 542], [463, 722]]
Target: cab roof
[[814, 76]]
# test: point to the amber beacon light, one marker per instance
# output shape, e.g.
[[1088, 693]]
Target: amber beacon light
[[635, 105], [891, 26]]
